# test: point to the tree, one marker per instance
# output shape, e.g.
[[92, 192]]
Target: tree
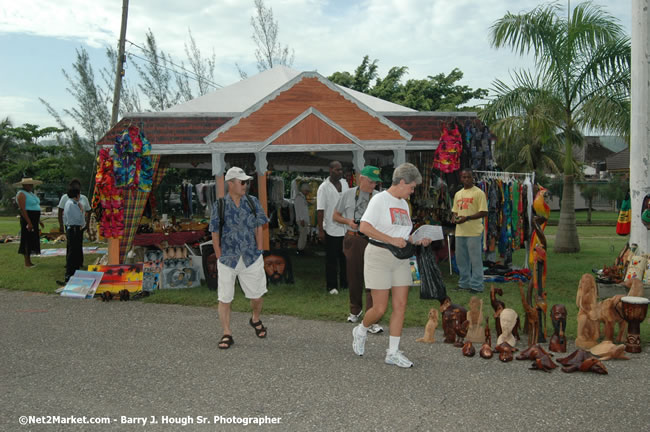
[[269, 51], [590, 191], [156, 75], [203, 67], [435, 93], [92, 111], [582, 65], [525, 123]]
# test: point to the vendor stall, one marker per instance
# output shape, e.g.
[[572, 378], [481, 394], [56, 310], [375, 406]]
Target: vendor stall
[[280, 120]]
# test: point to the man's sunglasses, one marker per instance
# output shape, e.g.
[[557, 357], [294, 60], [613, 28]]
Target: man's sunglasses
[[244, 182]]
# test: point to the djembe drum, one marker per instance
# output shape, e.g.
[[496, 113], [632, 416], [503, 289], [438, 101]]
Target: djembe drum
[[634, 312]]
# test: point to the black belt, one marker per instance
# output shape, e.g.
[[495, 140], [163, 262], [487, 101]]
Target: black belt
[[73, 227]]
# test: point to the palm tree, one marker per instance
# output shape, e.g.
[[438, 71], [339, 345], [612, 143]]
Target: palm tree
[[582, 75], [525, 123]]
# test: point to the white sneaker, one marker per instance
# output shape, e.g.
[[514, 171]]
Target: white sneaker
[[334, 291], [354, 318], [398, 359], [358, 340], [375, 328]]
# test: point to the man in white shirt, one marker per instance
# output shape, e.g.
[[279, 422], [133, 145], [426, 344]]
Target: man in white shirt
[[329, 231], [74, 184]]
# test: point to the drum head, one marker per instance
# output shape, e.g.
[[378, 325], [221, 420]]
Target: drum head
[[635, 300]]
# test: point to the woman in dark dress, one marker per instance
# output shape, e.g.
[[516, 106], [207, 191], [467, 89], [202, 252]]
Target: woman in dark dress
[[29, 206]]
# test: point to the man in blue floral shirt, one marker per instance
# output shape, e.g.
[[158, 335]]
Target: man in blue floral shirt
[[239, 251]]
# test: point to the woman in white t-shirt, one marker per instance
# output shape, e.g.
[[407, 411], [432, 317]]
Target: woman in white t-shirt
[[387, 221]]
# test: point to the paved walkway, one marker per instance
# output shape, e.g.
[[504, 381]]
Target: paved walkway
[[65, 357]]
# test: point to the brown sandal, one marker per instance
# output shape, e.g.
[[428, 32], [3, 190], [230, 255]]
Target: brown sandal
[[259, 328]]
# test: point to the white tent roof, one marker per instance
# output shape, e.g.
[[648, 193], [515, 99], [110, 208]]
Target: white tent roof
[[237, 97]]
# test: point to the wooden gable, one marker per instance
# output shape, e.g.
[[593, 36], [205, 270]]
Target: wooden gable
[[312, 130], [259, 124]]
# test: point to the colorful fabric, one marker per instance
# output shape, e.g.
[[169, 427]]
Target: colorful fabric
[[624, 223], [447, 155], [132, 163], [134, 203], [107, 199]]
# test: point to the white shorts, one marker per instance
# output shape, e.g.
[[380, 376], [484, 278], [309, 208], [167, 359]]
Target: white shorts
[[252, 280], [382, 271]]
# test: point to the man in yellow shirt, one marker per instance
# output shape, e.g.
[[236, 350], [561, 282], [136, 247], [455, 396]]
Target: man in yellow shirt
[[470, 207]]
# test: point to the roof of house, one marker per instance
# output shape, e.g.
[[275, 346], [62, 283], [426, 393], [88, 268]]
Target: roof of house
[[287, 111], [619, 161], [238, 97]]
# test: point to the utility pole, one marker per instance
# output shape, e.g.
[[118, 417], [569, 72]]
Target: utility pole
[[120, 63], [640, 127]]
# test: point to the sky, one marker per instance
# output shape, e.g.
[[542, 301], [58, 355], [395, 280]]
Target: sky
[[39, 39]]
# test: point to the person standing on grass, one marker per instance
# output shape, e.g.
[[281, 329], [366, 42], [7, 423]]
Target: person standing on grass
[[85, 206], [29, 206], [237, 242], [387, 221], [83, 200], [329, 231], [73, 218], [348, 212], [469, 209]]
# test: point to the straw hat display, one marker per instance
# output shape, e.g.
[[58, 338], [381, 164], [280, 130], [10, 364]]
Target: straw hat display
[[28, 181]]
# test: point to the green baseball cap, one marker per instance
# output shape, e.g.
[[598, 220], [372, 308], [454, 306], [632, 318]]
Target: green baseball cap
[[371, 172]]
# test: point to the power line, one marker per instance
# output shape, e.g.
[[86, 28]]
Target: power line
[[196, 76]]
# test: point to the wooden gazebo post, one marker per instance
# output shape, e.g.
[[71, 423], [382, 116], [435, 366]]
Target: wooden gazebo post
[[261, 166]]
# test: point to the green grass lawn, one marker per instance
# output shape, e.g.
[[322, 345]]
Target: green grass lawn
[[10, 225], [597, 217], [307, 298]]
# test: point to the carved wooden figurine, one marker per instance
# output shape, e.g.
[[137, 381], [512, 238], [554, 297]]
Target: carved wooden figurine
[[486, 349], [475, 332], [610, 312], [558, 318], [505, 351], [508, 320], [453, 316], [430, 328], [606, 350], [537, 260], [468, 349], [541, 359], [498, 305], [588, 328], [532, 317], [582, 361]]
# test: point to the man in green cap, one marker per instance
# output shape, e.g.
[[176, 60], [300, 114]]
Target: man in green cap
[[348, 211]]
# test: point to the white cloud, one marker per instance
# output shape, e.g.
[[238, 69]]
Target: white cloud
[[427, 36]]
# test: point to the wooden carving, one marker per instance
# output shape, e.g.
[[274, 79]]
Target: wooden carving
[[486, 350], [430, 328], [588, 328], [558, 318], [475, 332]]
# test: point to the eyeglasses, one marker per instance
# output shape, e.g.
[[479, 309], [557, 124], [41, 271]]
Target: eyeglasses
[[244, 182]]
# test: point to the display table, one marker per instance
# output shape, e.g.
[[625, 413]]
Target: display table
[[173, 239]]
